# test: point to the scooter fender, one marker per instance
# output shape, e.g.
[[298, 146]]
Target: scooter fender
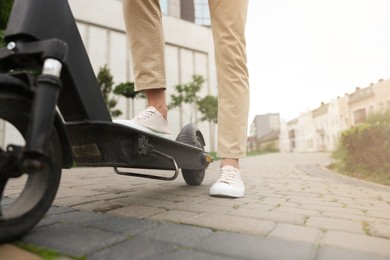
[[19, 83]]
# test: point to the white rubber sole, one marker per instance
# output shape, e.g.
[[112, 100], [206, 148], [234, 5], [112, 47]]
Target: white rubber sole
[[225, 190], [131, 124]]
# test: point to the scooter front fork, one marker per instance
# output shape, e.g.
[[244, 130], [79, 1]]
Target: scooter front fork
[[42, 115], [52, 54]]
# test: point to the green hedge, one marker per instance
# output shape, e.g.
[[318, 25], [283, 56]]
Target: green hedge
[[364, 150]]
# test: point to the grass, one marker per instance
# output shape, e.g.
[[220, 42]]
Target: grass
[[214, 155], [381, 177], [366, 228], [258, 152], [45, 253], [248, 154]]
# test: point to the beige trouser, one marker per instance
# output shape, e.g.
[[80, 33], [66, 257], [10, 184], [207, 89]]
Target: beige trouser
[[228, 18]]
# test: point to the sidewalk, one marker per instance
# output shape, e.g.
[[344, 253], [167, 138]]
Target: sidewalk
[[293, 209]]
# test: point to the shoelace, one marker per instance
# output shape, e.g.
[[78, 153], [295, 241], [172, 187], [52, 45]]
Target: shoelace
[[227, 176], [145, 115]]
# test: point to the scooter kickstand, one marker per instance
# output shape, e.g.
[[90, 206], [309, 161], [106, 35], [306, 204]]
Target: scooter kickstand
[[155, 177]]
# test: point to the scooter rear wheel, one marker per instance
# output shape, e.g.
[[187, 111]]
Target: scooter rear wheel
[[191, 135], [28, 197]]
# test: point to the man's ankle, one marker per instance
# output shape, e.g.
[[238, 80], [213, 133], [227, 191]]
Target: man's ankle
[[156, 99], [230, 161], [163, 111]]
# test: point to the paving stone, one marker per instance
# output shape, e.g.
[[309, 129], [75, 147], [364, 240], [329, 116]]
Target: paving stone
[[70, 239], [338, 215], [252, 247], [381, 205], [296, 233], [162, 195], [300, 211], [379, 230], [127, 226], [270, 193], [232, 223], [335, 224], [334, 209], [257, 206], [385, 214], [50, 217], [75, 217], [199, 207], [189, 254], [334, 253], [99, 206], [357, 242], [186, 190], [226, 202], [137, 248], [281, 227], [269, 215], [70, 201], [114, 195], [146, 199], [54, 210], [273, 201], [67, 216], [326, 204], [176, 216], [80, 191], [136, 211], [182, 235]]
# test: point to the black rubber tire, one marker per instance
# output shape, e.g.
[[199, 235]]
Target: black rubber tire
[[193, 177], [40, 189], [191, 136]]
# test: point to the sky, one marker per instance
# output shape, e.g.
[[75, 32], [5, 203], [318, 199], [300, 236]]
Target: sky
[[304, 52]]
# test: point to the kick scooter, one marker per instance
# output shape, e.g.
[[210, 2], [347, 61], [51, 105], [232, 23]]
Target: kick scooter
[[49, 93]]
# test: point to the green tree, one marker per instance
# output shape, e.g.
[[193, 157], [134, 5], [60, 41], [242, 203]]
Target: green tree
[[128, 91], [208, 106], [105, 81], [188, 94], [5, 9], [382, 116], [2, 42]]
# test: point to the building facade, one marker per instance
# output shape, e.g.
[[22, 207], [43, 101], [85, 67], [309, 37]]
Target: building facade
[[319, 129], [196, 11], [263, 128], [189, 51]]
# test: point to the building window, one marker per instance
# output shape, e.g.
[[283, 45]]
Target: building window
[[359, 115], [202, 13], [164, 6], [291, 134]]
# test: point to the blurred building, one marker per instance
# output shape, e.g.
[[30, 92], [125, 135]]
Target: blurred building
[[263, 131], [196, 11], [189, 50], [320, 129]]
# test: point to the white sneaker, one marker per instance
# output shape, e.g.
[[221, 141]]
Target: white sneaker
[[229, 183], [151, 121]]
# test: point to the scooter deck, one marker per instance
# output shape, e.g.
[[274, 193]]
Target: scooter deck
[[117, 145]]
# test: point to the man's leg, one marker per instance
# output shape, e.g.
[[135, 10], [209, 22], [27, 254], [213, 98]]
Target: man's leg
[[228, 20], [143, 20]]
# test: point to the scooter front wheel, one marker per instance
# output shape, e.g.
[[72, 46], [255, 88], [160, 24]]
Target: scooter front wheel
[[26, 197]]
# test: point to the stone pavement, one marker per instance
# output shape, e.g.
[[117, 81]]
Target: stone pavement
[[294, 208]]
